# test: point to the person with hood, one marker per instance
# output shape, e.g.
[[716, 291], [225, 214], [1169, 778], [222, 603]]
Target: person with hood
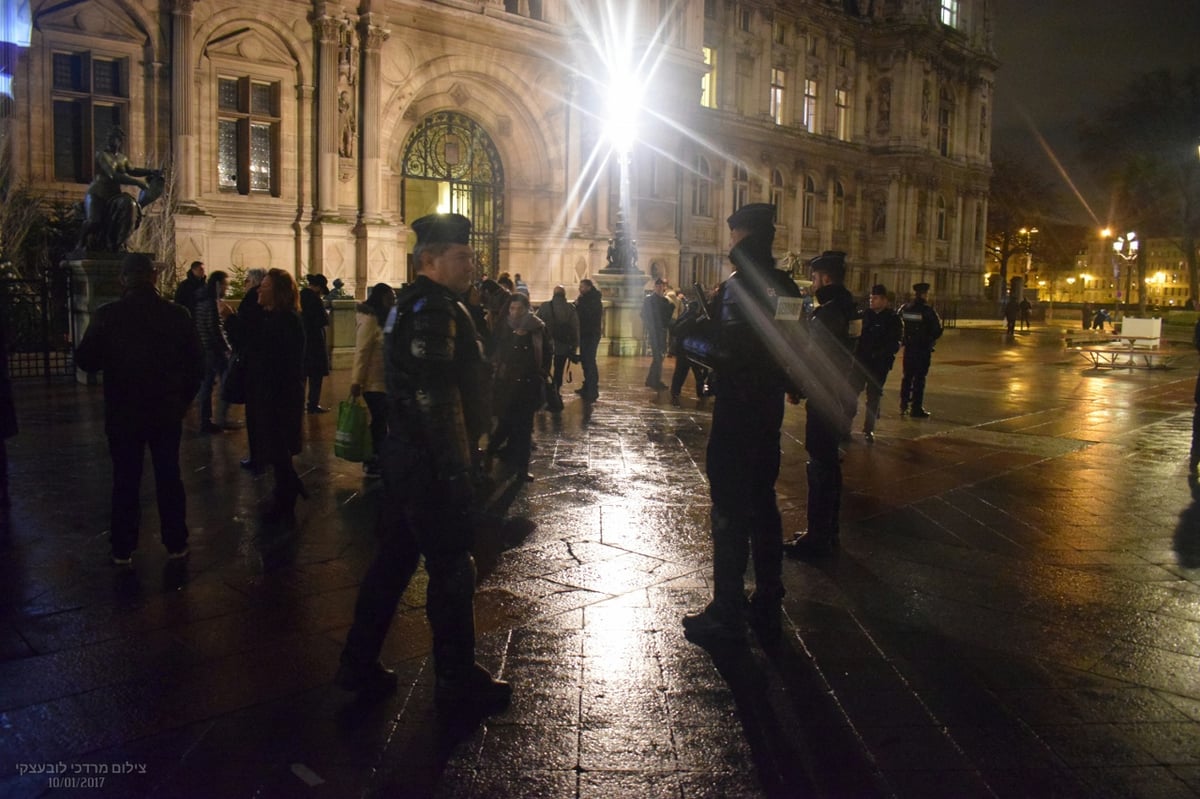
[[755, 309], [830, 363], [367, 377], [562, 322], [522, 360]]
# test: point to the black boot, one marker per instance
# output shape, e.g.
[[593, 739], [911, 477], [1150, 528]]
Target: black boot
[[475, 691]]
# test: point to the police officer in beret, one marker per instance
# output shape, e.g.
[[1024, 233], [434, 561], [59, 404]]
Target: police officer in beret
[[875, 353], [922, 327], [829, 363], [755, 309], [437, 390]]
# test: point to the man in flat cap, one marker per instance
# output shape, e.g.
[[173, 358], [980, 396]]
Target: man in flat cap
[[875, 354], [152, 361], [437, 389], [829, 362], [757, 313], [922, 327], [657, 311]]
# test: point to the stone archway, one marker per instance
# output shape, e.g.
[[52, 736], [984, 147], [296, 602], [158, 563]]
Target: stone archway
[[450, 164]]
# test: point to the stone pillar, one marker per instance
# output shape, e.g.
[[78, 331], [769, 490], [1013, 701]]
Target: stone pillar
[[327, 31], [183, 101], [373, 38]]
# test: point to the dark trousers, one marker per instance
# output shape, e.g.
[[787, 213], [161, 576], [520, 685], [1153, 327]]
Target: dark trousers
[[215, 365], [682, 366], [822, 432], [377, 405], [742, 463], [870, 376], [658, 348], [423, 524], [560, 366], [588, 345], [513, 437], [314, 390], [912, 387], [127, 448]]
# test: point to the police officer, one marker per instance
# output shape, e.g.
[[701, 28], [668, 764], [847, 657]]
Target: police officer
[[875, 354], [752, 310], [922, 328], [437, 402], [829, 363]]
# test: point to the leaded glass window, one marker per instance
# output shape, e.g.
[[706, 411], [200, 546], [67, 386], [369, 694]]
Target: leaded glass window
[[247, 135]]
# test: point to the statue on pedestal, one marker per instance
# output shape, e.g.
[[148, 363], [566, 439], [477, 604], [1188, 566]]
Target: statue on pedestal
[[111, 215]]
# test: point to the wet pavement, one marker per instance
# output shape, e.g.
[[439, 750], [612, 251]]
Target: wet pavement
[[1015, 610]]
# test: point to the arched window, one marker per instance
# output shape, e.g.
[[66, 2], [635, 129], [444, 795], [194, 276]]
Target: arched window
[[839, 206], [940, 220], [777, 195], [701, 184], [741, 187], [810, 202]]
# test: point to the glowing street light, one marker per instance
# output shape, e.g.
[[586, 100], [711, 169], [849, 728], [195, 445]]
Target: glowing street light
[[1126, 248]]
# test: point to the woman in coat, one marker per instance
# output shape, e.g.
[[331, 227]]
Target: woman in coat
[[523, 352], [368, 377], [316, 355], [275, 353]]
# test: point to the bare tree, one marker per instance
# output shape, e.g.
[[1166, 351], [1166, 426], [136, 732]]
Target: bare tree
[[155, 233]]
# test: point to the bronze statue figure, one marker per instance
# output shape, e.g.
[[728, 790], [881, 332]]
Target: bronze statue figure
[[111, 215]]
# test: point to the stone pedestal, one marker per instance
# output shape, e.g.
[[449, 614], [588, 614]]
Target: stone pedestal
[[342, 333], [624, 293], [95, 280]]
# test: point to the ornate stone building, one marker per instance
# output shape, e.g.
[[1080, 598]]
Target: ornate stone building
[[306, 135]]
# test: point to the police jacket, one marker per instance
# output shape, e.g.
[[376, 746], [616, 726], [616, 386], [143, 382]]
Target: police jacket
[[756, 331], [829, 356], [150, 353], [922, 327], [438, 383], [880, 339]]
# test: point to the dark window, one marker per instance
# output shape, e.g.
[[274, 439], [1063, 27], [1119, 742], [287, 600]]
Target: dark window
[[248, 136], [90, 97]]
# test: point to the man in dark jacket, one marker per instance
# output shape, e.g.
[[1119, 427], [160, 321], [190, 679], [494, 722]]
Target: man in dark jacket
[[316, 354], [875, 354], [242, 328], [437, 404], [922, 328], [150, 353], [188, 290], [590, 307], [754, 310], [657, 311], [829, 361]]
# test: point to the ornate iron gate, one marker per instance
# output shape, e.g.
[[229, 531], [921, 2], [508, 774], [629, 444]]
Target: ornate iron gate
[[40, 329], [449, 148]]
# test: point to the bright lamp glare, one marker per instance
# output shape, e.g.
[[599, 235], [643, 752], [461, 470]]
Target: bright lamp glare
[[624, 104]]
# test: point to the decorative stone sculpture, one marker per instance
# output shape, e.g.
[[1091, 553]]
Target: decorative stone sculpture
[[110, 214]]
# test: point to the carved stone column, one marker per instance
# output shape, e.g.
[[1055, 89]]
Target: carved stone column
[[371, 86], [183, 101], [327, 31]]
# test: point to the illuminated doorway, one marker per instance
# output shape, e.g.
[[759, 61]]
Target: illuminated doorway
[[450, 165]]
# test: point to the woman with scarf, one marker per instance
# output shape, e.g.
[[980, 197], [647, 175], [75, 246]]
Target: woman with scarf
[[522, 359]]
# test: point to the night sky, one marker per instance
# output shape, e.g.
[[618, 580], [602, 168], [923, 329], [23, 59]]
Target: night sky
[[1062, 59]]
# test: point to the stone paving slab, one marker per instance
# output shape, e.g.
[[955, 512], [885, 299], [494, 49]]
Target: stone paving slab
[[1014, 611]]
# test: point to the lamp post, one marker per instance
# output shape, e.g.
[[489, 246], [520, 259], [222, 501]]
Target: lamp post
[[1126, 248]]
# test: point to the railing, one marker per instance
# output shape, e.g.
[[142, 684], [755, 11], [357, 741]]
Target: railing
[[40, 332]]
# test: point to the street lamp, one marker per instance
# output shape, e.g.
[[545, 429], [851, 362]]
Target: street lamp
[[1126, 248]]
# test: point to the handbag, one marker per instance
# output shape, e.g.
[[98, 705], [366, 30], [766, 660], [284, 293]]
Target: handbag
[[234, 384], [352, 440]]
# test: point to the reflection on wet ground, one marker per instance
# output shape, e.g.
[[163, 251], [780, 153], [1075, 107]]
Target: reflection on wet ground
[[1014, 612]]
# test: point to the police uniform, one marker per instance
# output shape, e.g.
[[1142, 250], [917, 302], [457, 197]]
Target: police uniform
[[829, 363], [742, 461], [922, 328], [874, 356], [437, 390]]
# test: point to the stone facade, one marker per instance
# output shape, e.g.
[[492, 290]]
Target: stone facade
[[306, 135]]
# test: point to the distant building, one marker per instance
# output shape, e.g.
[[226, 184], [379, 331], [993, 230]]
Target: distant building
[[307, 135]]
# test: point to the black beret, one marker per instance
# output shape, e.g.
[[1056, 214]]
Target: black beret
[[920, 288], [833, 261], [753, 217], [442, 229], [879, 289], [137, 263], [317, 280]]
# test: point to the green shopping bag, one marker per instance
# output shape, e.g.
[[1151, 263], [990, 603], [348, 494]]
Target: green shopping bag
[[352, 441]]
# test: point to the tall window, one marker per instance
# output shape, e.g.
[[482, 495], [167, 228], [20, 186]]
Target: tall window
[[777, 196], [708, 83], [710, 9], [741, 186], [90, 96], [810, 202], [839, 206], [983, 128], [841, 99], [701, 186], [945, 121], [809, 118], [950, 13], [247, 135], [743, 16], [778, 79], [778, 32], [940, 218]]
